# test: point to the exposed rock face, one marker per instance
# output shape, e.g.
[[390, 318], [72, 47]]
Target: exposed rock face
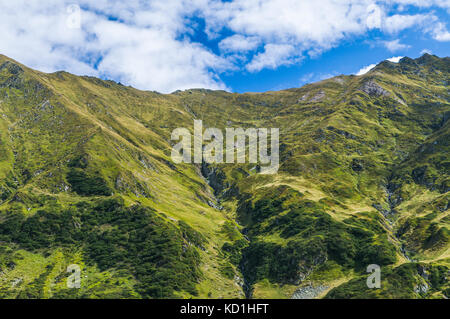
[[16, 282], [319, 96], [215, 178], [11, 67], [421, 289], [308, 292], [303, 98], [374, 89], [306, 268]]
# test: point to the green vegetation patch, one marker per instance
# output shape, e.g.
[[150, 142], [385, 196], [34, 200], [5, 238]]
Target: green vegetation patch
[[308, 238], [162, 257], [411, 280]]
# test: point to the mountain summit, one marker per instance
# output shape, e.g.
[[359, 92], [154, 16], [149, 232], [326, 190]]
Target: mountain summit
[[87, 179]]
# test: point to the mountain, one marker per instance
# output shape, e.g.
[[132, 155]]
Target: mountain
[[87, 179]]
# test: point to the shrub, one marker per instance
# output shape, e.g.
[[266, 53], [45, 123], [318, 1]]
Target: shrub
[[87, 185]]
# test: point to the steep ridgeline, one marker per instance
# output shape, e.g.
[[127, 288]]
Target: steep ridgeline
[[86, 178]]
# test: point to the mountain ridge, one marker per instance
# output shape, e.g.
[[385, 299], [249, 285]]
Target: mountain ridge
[[363, 179]]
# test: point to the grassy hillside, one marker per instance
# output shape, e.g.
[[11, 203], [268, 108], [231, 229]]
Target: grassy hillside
[[86, 178]]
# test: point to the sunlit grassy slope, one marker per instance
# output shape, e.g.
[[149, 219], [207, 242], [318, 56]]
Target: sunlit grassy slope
[[86, 178]]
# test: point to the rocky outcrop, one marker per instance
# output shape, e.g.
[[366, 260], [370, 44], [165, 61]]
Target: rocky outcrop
[[372, 88], [319, 96], [308, 292], [215, 178]]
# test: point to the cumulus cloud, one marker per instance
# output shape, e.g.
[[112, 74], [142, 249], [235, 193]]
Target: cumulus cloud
[[273, 56], [148, 58], [395, 59], [395, 45], [312, 27], [428, 3], [364, 70], [137, 45], [310, 23], [440, 32], [398, 22], [238, 43], [153, 44], [316, 26]]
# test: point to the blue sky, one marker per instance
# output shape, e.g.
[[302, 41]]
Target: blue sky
[[347, 58], [239, 45]]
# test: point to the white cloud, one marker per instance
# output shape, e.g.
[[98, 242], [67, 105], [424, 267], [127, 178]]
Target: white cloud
[[395, 45], [398, 22], [426, 51], [149, 44], [375, 17], [311, 23], [141, 46], [425, 3], [395, 59], [273, 56], [366, 69], [312, 27], [239, 43], [440, 32]]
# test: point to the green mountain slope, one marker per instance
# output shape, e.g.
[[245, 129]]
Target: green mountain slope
[[86, 178]]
